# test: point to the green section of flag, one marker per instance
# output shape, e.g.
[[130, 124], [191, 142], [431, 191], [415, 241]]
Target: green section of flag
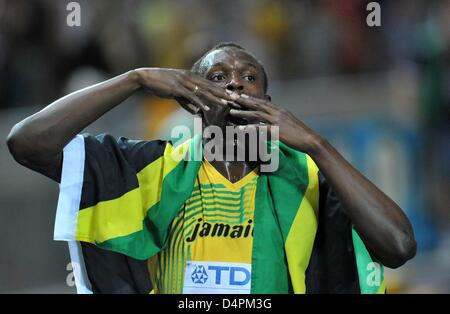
[[370, 273], [177, 187], [278, 198]]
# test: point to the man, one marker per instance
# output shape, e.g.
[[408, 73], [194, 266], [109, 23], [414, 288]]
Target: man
[[211, 226]]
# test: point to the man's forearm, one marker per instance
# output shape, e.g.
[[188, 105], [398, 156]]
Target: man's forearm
[[46, 132], [380, 222]]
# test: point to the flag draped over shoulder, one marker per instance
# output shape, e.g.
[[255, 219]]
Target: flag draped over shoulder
[[130, 221]]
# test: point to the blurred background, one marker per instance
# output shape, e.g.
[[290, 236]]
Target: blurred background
[[379, 94]]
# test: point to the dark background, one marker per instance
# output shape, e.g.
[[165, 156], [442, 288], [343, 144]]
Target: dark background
[[379, 94]]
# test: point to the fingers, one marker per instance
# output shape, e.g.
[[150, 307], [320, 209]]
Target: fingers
[[191, 108], [251, 116], [211, 87], [187, 105], [194, 99], [248, 127], [218, 95], [209, 97], [254, 103], [234, 105], [219, 101], [257, 128]]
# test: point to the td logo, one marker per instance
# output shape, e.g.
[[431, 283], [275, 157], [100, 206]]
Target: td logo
[[199, 274], [217, 277], [237, 276]]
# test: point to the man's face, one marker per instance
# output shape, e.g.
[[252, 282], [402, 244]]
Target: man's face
[[236, 71]]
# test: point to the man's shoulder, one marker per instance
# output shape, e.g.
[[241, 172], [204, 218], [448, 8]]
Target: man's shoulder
[[137, 152], [124, 140]]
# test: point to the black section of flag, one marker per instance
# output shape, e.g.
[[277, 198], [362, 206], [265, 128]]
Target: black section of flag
[[332, 268], [111, 166], [111, 272]]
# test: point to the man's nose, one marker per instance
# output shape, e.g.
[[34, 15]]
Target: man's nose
[[234, 85]]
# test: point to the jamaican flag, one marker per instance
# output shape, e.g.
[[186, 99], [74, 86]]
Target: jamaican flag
[[118, 199]]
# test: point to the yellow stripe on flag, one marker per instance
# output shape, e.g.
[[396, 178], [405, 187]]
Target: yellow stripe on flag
[[124, 215], [300, 240]]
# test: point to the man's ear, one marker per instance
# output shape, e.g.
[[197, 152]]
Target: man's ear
[[267, 97]]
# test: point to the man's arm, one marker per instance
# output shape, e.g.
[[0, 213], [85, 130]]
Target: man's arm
[[37, 142], [379, 221]]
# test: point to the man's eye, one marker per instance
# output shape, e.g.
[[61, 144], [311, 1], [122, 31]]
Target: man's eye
[[249, 78], [218, 77]]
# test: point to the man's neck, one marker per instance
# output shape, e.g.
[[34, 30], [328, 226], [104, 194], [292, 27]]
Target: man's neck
[[234, 170], [228, 165]]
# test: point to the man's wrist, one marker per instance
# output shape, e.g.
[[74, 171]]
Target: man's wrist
[[317, 146], [135, 78]]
